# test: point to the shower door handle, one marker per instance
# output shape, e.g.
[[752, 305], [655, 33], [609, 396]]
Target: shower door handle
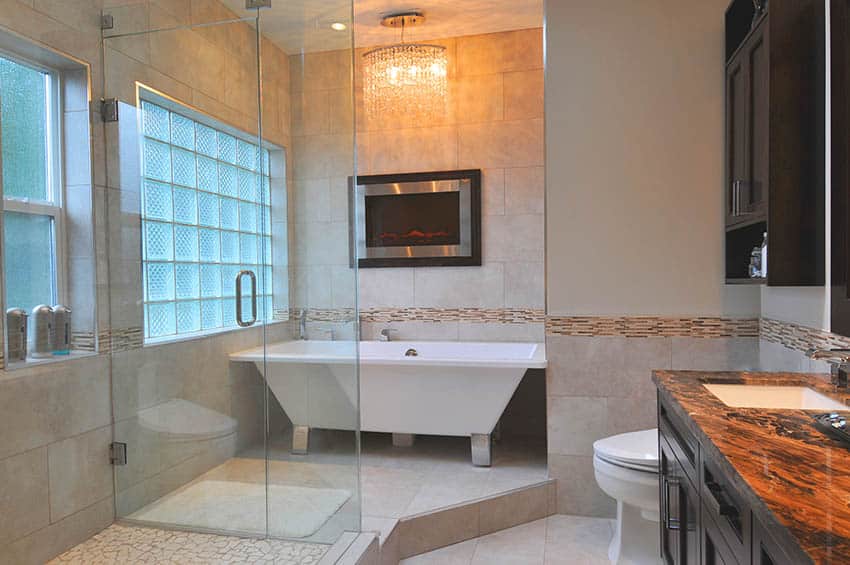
[[239, 319]]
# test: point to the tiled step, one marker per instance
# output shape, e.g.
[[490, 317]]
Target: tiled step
[[420, 533]]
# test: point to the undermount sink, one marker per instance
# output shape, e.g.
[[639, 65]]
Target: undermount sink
[[776, 397]]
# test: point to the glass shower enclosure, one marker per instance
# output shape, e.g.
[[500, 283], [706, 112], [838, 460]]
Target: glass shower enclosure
[[228, 159]]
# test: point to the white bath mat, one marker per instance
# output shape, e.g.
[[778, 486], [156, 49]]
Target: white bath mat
[[294, 512]]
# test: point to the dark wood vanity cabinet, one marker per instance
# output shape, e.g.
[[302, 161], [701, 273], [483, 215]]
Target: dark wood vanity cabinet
[[704, 519], [775, 139]]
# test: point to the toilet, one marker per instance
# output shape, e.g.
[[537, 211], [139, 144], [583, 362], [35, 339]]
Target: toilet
[[626, 469]]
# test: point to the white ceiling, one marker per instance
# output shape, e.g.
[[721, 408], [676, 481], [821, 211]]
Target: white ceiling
[[304, 25]]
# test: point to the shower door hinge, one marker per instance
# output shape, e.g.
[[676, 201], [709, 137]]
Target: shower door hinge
[[107, 21], [118, 453], [109, 109], [251, 4]]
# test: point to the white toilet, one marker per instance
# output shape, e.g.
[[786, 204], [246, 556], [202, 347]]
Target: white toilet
[[626, 469]]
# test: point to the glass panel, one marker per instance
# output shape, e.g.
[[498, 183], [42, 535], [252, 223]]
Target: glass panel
[[322, 68], [23, 129], [209, 200], [29, 263]]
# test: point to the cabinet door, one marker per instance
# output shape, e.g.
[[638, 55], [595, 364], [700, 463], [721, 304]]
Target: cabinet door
[[679, 503], [765, 550], [670, 475], [748, 130], [758, 109], [737, 173], [714, 548]]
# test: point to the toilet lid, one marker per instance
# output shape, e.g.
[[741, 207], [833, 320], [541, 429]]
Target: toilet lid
[[633, 449]]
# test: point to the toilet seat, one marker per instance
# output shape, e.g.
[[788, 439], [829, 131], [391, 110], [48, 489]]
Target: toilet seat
[[633, 450]]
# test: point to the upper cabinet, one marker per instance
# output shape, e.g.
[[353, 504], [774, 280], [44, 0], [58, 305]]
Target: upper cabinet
[[775, 166], [747, 96]]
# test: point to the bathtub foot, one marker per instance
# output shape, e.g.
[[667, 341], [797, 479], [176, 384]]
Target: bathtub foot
[[481, 450], [403, 440], [300, 439]]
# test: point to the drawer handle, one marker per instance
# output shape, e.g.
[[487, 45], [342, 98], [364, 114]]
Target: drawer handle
[[669, 522]]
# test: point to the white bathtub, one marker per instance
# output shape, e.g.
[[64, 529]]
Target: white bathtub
[[448, 388]]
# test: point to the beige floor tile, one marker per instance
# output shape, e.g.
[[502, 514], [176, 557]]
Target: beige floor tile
[[522, 544], [458, 554]]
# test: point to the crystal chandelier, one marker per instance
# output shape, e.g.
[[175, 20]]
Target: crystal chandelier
[[406, 80]]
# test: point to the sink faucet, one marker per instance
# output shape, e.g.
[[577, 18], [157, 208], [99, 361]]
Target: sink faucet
[[839, 361], [302, 325]]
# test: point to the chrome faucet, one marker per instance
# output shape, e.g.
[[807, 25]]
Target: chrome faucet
[[386, 334], [839, 361], [302, 325]]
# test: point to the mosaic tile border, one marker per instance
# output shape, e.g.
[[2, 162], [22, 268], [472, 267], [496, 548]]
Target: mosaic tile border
[[800, 338], [122, 339], [120, 543], [652, 326], [477, 315], [83, 341]]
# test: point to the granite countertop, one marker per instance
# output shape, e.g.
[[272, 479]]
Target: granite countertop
[[795, 478]]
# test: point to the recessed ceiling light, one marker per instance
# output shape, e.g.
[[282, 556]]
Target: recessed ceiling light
[[339, 26]]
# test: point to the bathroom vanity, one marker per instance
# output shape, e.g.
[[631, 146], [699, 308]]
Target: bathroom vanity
[[745, 481]]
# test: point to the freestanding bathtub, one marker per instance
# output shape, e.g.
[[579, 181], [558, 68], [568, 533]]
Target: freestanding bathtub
[[432, 388]]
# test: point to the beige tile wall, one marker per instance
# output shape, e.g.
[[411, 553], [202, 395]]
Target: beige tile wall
[[601, 386], [493, 122]]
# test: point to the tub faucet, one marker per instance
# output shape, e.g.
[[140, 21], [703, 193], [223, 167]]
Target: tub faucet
[[302, 325], [386, 334], [839, 362]]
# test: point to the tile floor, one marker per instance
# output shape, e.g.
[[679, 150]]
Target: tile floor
[[396, 482], [436, 472], [557, 540], [119, 545]]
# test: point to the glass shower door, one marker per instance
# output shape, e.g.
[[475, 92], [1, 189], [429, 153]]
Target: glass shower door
[[202, 264]]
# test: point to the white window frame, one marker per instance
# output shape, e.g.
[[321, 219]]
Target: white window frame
[[54, 208]]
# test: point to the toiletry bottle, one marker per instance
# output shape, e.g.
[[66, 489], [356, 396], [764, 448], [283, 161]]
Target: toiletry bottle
[[755, 263], [61, 330], [764, 256], [41, 331], [16, 334]]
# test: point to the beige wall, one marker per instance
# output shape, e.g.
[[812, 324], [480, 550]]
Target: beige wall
[[493, 122], [634, 160], [634, 210]]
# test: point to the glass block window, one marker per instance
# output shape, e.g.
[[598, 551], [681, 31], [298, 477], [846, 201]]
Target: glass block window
[[206, 216], [32, 214]]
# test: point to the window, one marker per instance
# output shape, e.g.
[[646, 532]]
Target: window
[[206, 216], [32, 195]]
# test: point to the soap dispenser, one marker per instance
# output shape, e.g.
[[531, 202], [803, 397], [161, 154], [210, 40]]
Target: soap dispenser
[[41, 331]]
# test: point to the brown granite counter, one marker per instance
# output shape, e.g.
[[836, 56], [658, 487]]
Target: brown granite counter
[[795, 478]]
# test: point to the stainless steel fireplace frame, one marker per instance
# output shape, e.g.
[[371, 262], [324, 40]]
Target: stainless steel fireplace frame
[[466, 253]]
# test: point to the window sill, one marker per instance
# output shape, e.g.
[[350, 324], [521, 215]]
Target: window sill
[[204, 334], [36, 362]]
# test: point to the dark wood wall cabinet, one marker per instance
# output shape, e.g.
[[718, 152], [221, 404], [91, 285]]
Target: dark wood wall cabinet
[[775, 164], [839, 11], [704, 519]]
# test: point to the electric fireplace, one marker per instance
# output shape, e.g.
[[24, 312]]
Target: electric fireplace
[[417, 219]]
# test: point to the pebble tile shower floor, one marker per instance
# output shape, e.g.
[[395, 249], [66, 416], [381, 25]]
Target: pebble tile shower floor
[[119, 544]]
